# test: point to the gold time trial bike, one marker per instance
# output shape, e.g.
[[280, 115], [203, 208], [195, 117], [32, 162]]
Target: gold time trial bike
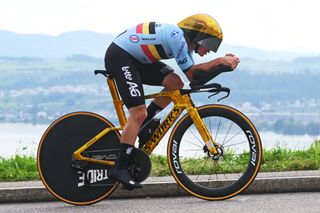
[[214, 151]]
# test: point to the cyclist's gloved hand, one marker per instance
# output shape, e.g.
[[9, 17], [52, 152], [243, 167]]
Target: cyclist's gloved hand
[[230, 60]]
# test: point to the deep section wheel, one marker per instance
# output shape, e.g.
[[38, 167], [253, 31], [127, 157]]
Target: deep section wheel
[[231, 170]]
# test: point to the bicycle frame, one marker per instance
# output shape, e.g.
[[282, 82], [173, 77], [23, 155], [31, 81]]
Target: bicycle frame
[[181, 102]]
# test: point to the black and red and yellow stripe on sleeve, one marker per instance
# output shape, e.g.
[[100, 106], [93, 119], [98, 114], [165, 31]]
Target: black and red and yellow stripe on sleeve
[[154, 52]]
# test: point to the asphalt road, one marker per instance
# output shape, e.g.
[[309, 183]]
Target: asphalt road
[[282, 202]]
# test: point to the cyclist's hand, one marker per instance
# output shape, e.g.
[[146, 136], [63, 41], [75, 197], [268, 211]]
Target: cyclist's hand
[[233, 55], [230, 60]]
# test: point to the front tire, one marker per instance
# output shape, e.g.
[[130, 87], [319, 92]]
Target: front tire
[[227, 174]]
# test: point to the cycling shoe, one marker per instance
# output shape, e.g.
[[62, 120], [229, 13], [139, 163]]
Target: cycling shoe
[[124, 178]]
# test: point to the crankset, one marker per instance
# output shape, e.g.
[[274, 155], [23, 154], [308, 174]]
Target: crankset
[[140, 165]]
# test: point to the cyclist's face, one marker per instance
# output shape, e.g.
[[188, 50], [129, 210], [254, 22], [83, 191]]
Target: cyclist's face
[[202, 51]]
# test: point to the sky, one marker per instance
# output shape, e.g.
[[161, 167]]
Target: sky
[[265, 24]]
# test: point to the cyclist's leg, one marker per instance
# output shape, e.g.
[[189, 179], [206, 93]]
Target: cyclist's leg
[[131, 129], [122, 67], [159, 74], [128, 138], [171, 82]]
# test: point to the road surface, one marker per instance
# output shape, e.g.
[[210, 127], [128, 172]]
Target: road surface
[[274, 203]]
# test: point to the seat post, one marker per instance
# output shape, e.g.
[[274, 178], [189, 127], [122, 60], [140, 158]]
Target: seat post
[[117, 102]]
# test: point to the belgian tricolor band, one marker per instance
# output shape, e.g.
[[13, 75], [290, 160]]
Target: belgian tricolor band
[[154, 52]]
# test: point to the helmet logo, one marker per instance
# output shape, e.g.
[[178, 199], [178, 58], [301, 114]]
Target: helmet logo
[[196, 25], [134, 38], [198, 22]]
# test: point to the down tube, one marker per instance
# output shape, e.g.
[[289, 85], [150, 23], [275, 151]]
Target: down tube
[[163, 129]]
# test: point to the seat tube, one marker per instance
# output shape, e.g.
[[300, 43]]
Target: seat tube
[[202, 128], [117, 102]]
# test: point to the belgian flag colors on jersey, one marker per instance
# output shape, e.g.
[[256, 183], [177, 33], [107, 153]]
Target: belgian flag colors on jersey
[[154, 52], [150, 42]]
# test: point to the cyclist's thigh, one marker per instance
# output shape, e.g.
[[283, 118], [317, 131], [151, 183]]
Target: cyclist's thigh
[[154, 74], [122, 67]]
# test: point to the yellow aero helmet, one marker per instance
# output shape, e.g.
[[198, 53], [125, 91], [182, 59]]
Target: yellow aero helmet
[[203, 30]]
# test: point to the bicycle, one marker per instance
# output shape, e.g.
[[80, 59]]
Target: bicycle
[[78, 149]]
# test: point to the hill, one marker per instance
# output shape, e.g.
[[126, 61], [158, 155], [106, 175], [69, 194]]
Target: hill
[[38, 90], [61, 46], [94, 44], [43, 77]]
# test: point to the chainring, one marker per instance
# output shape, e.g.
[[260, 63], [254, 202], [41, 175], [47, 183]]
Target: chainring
[[140, 165]]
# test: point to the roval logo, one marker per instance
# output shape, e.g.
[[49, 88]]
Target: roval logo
[[175, 157], [253, 147]]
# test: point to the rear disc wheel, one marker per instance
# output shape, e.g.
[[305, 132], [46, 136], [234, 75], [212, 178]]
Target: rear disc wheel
[[77, 183]]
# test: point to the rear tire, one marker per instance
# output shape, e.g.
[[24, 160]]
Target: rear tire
[[55, 161], [238, 163]]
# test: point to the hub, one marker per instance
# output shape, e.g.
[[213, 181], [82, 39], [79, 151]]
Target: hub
[[218, 156]]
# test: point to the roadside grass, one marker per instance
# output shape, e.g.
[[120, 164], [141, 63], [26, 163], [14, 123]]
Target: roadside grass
[[278, 159], [21, 168], [18, 168]]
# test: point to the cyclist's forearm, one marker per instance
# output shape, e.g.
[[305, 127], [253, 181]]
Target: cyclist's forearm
[[203, 66]]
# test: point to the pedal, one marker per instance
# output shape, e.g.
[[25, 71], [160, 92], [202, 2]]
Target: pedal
[[147, 130]]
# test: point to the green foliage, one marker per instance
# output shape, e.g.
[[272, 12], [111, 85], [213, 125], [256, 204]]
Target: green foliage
[[291, 126], [159, 165], [278, 159], [32, 86], [18, 168], [274, 160]]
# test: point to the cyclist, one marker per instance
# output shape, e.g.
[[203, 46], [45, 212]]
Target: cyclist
[[133, 59]]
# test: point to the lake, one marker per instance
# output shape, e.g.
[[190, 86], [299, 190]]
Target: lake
[[20, 138]]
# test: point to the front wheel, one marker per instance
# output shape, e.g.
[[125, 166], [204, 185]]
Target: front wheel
[[221, 176]]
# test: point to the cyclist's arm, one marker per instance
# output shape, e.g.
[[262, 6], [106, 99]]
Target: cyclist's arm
[[228, 60], [184, 60]]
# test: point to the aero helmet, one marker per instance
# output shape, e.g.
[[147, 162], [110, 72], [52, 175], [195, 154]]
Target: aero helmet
[[203, 30]]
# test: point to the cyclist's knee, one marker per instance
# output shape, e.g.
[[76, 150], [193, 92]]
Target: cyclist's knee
[[138, 113], [178, 84], [173, 81]]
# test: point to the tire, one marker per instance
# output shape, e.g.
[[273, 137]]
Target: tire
[[226, 176], [55, 158]]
